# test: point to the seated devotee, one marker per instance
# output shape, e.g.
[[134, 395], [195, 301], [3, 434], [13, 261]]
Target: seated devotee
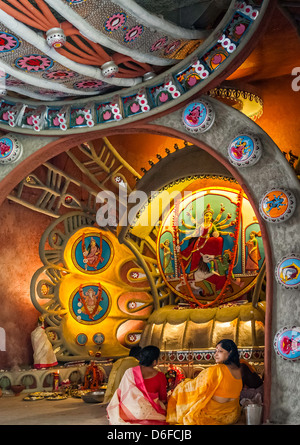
[[212, 398], [118, 369], [43, 354], [142, 394], [253, 387]]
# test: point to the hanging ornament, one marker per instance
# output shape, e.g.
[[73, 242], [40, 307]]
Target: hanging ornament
[[277, 205], [55, 37], [149, 75], [288, 271], [287, 343], [244, 150], [109, 69], [198, 116]]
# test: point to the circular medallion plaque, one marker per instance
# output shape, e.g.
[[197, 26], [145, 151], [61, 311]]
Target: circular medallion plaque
[[288, 271], [277, 205], [10, 149], [98, 338], [287, 343], [92, 253], [198, 117], [244, 150], [89, 304], [81, 339]]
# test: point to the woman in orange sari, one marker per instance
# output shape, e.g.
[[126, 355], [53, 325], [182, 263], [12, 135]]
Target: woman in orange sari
[[142, 394], [212, 398]]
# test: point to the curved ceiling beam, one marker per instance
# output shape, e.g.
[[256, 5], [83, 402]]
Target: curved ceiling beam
[[156, 22], [214, 61], [31, 37], [68, 41], [152, 27]]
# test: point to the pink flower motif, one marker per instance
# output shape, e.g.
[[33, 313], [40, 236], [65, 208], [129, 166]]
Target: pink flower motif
[[217, 58], [79, 120], [55, 122], [34, 62], [163, 97], [115, 22], [240, 29], [159, 44], [60, 75], [192, 81], [14, 82], [5, 116], [88, 84], [8, 42], [172, 47], [106, 115], [134, 107], [29, 120], [133, 33]]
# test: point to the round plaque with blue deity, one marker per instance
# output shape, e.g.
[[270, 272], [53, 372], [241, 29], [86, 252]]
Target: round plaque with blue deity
[[198, 116], [287, 343], [277, 205], [288, 271], [10, 149], [89, 304], [244, 150], [92, 252]]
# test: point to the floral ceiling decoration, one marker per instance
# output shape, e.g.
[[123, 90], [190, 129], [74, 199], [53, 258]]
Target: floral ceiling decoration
[[116, 55]]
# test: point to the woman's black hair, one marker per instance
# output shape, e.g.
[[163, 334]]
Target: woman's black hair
[[135, 352], [148, 354], [231, 347]]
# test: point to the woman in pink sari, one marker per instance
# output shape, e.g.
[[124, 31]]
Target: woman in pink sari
[[142, 394]]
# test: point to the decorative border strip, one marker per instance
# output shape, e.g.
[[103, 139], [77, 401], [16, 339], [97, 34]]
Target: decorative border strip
[[162, 92], [141, 22], [41, 379], [207, 355]]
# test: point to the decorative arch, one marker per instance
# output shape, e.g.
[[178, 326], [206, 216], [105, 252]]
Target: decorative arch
[[270, 171]]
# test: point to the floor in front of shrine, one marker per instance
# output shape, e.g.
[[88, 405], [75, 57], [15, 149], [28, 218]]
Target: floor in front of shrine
[[72, 411]]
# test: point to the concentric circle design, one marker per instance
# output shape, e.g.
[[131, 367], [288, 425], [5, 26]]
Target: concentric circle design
[[277, 205], [89, 304], [60, 75], [288, 271], [8, 42], [115, 22], [10, 149], [34, 63], [244, 150], [81, 339], [133, 33], [198, 117], [98, 338], [92, 253], [287, 343]]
